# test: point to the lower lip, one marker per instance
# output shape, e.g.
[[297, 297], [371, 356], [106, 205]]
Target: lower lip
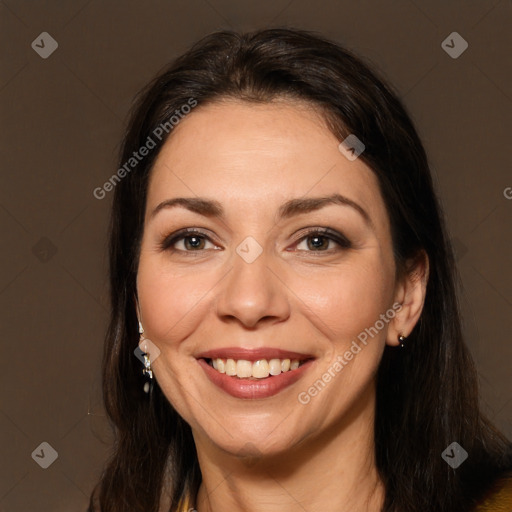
[[254, 389]]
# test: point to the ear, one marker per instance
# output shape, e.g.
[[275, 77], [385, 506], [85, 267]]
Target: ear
[[410, 292]]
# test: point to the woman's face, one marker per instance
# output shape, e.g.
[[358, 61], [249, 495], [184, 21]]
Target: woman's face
[[259, 284]]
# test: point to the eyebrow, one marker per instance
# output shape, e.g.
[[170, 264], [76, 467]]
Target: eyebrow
[[212, 208]]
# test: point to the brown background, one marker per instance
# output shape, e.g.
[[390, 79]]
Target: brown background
[[62, 120]]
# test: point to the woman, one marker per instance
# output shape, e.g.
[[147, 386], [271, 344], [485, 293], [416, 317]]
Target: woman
[[280, 268]]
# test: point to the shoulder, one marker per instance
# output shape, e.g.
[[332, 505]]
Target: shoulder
[[499, 496]]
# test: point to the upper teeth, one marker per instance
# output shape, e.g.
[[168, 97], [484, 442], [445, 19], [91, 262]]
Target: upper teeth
[[257, 369]]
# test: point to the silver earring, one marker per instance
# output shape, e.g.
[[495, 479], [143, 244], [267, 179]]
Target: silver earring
[[147, 372], [402, 339]]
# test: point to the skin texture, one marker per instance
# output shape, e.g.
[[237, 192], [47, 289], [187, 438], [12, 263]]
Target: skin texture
[[274, 453]]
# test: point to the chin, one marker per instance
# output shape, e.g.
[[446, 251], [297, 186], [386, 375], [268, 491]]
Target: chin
[[252, 444]]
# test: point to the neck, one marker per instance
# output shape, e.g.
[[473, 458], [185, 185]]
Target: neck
[[333, 472]]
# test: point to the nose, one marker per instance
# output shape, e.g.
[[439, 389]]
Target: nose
[[252, 293]]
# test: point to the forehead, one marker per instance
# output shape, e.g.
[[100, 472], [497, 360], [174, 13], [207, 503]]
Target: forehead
[[258, 155]]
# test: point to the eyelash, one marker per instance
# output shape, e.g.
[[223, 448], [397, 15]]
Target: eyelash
[[169, 241]]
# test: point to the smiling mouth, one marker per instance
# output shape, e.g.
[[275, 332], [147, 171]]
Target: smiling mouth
[[255, 370]]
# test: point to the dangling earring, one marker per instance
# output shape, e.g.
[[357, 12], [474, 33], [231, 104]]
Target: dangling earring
[[147, 372], [402, 339]]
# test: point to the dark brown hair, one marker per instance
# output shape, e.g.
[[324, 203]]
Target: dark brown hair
[[427, 395]]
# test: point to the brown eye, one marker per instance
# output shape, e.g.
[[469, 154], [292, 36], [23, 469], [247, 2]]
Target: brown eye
[[188, 240], [193, 242], [323, 240], [318, 242]]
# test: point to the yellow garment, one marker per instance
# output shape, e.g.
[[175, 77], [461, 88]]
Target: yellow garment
[[499, 496], [185, 506], [497, 499]]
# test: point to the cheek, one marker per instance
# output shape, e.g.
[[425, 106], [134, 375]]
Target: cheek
[[171, 302], [344, 302]]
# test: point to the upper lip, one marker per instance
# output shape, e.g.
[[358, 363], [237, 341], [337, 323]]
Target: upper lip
[[252, 354]]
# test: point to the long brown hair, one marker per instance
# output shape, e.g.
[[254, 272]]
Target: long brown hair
[[427, 395]]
